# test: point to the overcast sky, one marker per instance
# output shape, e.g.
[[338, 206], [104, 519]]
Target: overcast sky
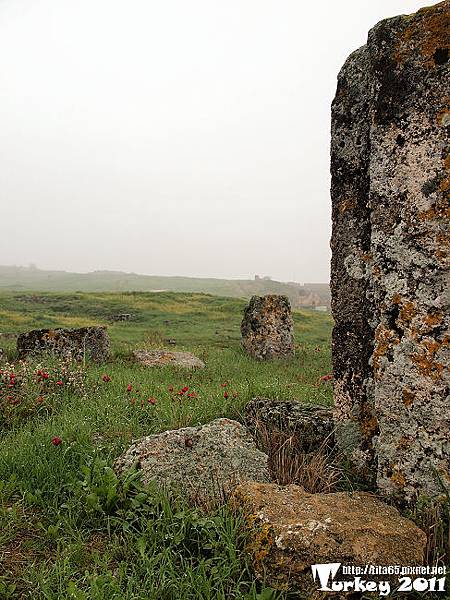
[[173, 137]]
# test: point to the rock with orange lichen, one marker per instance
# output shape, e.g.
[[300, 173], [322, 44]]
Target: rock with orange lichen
[[390, 164], [267, 327], [289, 530]]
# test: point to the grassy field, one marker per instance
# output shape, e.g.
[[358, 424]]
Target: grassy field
[[23, 279], [69, 527]]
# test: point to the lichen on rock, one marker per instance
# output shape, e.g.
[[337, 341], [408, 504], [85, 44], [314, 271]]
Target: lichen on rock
[[390, 156], [267, 327], [204, 463], [77, 344], [289, 530]]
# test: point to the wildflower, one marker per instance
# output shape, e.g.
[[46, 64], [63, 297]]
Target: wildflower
[[106, 378], [183, 391], [192, 395], [225, 395], [326, 378], [224, 384], [56, 441], [235, 394], [152, 401], [60, 383], [170, 388], [129, 387]]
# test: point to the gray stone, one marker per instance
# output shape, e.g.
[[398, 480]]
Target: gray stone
[[205, 463], [121, 317], [162, 358], [267, 327], [390, 166], [85, 342], [313, 426]]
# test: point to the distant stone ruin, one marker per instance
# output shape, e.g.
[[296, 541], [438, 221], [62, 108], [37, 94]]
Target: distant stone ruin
[[267, 327], [390, 163], [77, 344]]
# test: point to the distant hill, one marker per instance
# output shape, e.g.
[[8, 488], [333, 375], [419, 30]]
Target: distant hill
[[14, 278]]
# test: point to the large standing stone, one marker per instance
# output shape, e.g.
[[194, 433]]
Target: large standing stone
[[90, 342], [289, 530], [390, 165], [267, 327], [205, 462]]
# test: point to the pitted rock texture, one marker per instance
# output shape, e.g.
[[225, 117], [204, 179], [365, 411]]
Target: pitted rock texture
[[290, 530], [161, 358], [267, 327], [313, 426], [205, 463], [77, 344], [390, 165]]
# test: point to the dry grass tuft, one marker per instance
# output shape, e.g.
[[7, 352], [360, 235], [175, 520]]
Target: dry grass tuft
[[316, 472]]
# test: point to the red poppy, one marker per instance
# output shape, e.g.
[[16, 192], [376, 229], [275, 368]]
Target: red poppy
[[59, 383], [192, 395], [56, 441], [151, 400], [183, 391], [225, 395], [224, 384], [129, 387], [326, 378], [106, 378]]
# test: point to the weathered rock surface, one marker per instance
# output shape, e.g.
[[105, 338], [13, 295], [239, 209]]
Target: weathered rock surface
[[161, 358], [290, 530], [89, 342], [205, 462], [313, 426], [390, 165], [267, 327]]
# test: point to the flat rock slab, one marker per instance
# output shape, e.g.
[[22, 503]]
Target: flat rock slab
[[205, 463], [89, 342], [161, 358], [290, 530]]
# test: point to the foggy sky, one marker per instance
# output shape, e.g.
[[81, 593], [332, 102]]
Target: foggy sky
[[173, 137]]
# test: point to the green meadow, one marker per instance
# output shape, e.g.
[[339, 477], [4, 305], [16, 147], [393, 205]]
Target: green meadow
[[69, 527]]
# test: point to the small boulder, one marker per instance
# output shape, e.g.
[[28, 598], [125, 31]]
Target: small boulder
[[90, 342], [205, 463], [312, 426], [161, 358], [267, 328], [121, 317], [290, 530]]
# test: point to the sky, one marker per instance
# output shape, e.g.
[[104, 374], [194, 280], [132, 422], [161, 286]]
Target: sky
[[173, 137]]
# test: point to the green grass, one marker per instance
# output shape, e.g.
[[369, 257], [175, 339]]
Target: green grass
[[23, 279], [70, 528]]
